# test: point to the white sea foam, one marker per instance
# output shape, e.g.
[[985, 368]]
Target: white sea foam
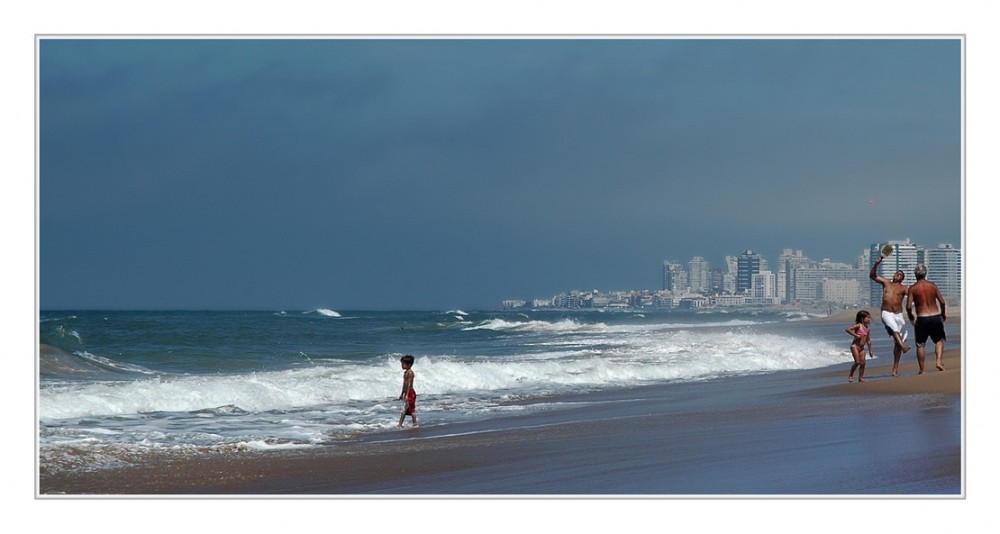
[[112, 364], [569, 326], [463, 378], [801, 316], [50, 319], [63, 332], [565, 326], [325, 312], [620, 361]]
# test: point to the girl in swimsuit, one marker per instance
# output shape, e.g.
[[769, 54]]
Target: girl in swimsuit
[[859, 331]]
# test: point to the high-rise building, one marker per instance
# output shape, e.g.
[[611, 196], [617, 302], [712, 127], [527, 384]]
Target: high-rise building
[[944, 268], [699, 275], [762, 290], [747, 265], [762, 284], [845, 292], [668, 281], [815, 283], [729, 278], [904, 258], [680, 276], [864, 260], [675, 278], [781, 286], [788, 263], [718, 280]]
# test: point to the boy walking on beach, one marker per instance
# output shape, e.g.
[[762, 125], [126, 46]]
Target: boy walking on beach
[[408, 395]]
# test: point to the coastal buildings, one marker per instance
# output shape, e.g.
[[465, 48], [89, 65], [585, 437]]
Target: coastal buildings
[[699, 275], [944, 268], [789, 263], [811, 282], [797, 280], [747, 265], [675, 278]]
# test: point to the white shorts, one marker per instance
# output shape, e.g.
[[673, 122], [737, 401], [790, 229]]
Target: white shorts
[[893, 322]]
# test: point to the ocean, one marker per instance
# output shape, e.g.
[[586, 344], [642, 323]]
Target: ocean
[[114, 385]]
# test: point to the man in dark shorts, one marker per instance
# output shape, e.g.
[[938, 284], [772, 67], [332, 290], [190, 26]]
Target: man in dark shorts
[[931, 313]]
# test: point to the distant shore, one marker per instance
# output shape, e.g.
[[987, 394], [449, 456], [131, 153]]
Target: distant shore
[[785, 433]]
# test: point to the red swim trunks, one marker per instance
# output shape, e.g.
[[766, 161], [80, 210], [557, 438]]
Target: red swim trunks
[[411, 403]]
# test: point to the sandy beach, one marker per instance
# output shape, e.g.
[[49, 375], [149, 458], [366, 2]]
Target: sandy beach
[[909, 381], [780, 434]]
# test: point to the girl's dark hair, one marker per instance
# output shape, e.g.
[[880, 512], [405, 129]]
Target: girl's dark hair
[[861, 315], [407, 359]]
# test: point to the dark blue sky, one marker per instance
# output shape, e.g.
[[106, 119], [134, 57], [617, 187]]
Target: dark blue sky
[[441, 173]]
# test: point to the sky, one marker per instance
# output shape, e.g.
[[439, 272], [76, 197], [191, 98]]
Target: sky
[[396, 173]]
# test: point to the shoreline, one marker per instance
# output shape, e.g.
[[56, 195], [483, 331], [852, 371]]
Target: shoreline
[[879, 377], [909, 381], [781, 434]]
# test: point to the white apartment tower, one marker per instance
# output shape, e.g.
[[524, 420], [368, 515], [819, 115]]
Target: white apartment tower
[[675, 278], [904, 258], [790, 262], [762, 285], [699, 275], [844, 292], [729, 276], [944, 268]]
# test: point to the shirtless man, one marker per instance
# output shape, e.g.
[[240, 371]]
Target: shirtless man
[[893, 292], [925, 296]]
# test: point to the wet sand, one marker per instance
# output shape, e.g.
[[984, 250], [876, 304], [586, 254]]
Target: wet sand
[[800, 433]]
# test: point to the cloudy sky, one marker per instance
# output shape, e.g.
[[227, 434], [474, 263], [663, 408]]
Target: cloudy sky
[[440, 173]]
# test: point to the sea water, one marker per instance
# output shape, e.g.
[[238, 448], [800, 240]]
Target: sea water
[[116, 384]]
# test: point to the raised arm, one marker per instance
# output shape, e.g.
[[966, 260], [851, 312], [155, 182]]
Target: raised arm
[[873, 274]]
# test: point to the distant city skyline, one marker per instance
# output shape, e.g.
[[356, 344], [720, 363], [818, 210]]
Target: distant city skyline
[[944, 259]]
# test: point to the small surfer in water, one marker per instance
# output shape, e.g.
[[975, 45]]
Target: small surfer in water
[[408, 395], [860, 330]]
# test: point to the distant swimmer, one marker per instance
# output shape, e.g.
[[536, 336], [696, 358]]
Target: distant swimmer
[[893, 292], [931, 313], [408, 395]]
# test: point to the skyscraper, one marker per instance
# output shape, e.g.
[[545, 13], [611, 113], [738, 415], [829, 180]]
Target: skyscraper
[[718, 280], [668, 281], [944, 268], [762, 285], [675, 278], [747, 265], [789, 263], [904, 258], [699, 275], [729, 276]]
